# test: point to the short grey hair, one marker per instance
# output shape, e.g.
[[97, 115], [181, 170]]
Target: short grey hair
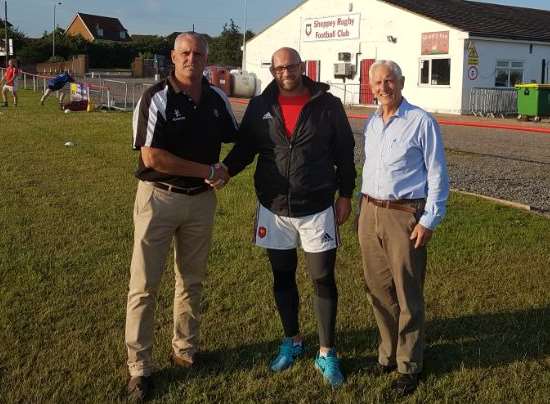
[[390, 64], [190, 34]]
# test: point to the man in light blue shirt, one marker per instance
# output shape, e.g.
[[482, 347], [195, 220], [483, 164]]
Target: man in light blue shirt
[[405, 189]]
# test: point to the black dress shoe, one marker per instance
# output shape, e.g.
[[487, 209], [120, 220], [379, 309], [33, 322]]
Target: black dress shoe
[[380, 370], [405, 384], [139, 388]]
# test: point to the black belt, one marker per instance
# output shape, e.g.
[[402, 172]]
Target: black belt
[[186, 191], [400, 204]]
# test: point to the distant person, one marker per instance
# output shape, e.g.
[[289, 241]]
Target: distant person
[[304, 144], [404, 193], [179, 126], [56, 84], [10, 83]]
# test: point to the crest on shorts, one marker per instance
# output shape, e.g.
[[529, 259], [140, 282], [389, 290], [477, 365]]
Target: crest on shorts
[[262, 231]]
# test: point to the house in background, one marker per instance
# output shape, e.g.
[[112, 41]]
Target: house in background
[[94, 27]]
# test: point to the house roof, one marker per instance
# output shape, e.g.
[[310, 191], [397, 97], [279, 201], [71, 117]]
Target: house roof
[[2, 23], [484, 19], [111, 26]]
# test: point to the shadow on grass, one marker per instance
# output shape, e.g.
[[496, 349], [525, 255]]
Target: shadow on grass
[[476, 341], [487, 340]]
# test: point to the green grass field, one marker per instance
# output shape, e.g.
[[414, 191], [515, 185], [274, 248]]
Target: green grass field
[[65, 245]]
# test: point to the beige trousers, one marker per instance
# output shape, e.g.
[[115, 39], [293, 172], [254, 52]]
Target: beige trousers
[[160, 217], [394, 273]]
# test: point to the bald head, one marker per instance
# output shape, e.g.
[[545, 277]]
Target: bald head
[[287, 53], [287, 70]]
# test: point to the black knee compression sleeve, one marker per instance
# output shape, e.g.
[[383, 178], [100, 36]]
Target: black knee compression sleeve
[[321, 269], [325, 301], [283, 265]]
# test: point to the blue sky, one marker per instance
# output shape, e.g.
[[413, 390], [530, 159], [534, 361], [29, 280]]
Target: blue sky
[[162, 17]]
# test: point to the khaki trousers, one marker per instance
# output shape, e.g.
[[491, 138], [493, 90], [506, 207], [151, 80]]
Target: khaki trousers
[[394, 273], [160, 217]]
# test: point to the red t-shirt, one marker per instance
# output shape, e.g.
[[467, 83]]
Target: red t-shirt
[[291, 106], [11, 74]]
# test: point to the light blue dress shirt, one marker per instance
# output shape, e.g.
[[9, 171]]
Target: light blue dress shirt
[[405, 159]]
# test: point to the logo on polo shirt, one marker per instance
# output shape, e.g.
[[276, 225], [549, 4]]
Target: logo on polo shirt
[[178, 116], [216, 113], [267, 115], [262, 231]]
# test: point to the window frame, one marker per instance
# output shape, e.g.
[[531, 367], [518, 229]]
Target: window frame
[[509, 69], [430, 60]]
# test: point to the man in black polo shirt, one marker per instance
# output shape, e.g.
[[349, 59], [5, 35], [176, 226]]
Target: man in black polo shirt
[[179, 125]]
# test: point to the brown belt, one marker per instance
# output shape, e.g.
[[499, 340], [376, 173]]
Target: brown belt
[[400, 204], [186, 191]]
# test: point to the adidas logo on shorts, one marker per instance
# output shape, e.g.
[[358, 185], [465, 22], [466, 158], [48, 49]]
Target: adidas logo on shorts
[[327, 238], [267, 115]]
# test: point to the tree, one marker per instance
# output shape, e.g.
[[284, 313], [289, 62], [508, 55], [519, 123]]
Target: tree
[[226, 48]]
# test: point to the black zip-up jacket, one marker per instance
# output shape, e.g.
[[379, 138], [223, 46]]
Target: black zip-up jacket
[[298, 176]]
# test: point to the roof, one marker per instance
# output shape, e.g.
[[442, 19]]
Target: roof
[[484, 19], [111, 26], [2, 23]]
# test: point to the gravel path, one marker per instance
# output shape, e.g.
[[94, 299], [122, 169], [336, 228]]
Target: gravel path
[[509, 165], [514, 166]]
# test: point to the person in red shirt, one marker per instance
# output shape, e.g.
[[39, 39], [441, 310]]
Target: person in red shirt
[[304, 144], [10, 83]]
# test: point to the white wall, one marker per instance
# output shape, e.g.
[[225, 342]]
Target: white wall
[[491, 50], [378, 20]]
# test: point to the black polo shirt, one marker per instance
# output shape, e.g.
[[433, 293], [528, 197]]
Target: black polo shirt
[[167, 118]]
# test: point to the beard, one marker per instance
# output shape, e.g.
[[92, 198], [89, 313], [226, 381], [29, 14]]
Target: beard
[[289, 84]]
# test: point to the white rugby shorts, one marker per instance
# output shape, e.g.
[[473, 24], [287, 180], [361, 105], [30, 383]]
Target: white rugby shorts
[[315, 233], [11, 89]]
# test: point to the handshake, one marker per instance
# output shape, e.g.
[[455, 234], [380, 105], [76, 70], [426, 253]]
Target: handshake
[[217, 176]]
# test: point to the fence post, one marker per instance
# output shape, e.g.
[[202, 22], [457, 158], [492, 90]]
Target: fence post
[[125, 95]]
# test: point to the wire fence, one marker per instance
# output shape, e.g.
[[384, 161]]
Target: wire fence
[[493, 102], [106, 93], [347, 92]]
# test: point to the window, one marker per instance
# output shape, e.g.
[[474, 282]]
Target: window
[[99, 30], [122, 35], [435, 72], [508, 73]]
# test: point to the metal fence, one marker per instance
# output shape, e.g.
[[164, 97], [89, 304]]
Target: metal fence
[[105, 93], [493, 102], [347, 92]]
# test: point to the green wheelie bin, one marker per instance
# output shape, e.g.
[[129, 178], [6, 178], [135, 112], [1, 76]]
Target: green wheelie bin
[[533, 101]]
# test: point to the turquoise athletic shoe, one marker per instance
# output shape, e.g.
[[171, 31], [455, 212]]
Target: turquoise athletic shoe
[[329, 366], [288, 352]]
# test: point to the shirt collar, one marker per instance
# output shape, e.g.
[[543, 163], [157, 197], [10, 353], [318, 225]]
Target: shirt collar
[[177, 89], [401, 110]]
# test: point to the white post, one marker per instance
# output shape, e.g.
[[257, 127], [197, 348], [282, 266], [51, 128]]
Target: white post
[[53, 33], [244, 39]]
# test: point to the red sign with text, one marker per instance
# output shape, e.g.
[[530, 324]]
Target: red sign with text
[[435, 43]]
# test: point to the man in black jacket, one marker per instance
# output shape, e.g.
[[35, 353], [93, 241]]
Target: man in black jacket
[[305, 154]]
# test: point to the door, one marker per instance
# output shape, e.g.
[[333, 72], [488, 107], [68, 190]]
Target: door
[[365, 93], [313, 69]]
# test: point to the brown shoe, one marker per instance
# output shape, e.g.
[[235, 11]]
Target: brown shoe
[[405, 384], [381, 370], [186, 361], [139, 388]]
